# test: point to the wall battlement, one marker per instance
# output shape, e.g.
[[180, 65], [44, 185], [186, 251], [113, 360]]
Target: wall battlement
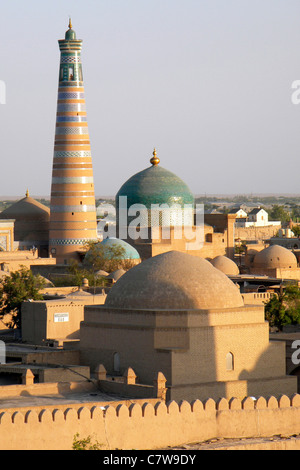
[[150, 426]]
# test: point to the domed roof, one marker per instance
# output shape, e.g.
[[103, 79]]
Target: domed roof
[[26, 209], [31, 220], [101, 273], [70, 34], [116, 275], [175, 281], [128, 252], [155, 185], [226, 265], [275, 256]]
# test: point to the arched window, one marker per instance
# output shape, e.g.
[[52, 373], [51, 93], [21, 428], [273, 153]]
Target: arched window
[[116, 362], [71, 73], [229, 361]]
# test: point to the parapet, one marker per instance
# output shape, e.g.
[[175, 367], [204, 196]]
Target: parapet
[[148, 425]]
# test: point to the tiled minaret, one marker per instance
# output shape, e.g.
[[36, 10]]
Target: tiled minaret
[[73, 212]]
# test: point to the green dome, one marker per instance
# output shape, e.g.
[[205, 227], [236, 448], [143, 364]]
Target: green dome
[[155, 185], [128, 251], [70, 35]]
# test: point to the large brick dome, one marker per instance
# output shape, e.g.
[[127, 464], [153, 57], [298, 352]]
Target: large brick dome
[[174, 281]]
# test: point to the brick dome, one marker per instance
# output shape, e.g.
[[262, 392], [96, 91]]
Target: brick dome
[[31, 219], [226, 265], [275, 256], [174, 281]]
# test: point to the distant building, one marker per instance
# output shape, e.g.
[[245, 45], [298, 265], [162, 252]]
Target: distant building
[[239, 212], [31, 225]]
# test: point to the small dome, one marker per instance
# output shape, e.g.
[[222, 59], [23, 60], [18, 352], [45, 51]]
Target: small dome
[[275, 256], [31, 219], [27, 209], [116, 275], [226, 265], [128, 251], [101, 273], [79, 293], [175, 281], [70, 35]]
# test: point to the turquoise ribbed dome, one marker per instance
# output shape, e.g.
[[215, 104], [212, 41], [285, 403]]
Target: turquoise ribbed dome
[[128, 253], [155, 185], [105, 246]]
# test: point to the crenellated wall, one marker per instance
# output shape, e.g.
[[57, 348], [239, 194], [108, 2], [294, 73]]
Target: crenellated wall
[[150, 426]]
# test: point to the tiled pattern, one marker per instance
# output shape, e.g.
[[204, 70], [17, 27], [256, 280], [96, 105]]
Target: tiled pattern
[[156, 185], [70, 59], [71, 119], [71, 107], [71, 154], [70, 241], [71, 130], [63, 95]]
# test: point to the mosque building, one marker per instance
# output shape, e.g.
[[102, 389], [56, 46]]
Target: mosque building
[[177, 314], [72, 209], [166, 219]]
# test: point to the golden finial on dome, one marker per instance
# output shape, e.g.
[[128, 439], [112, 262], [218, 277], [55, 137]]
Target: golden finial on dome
[[154, 160], [70, 23], [27, 193]]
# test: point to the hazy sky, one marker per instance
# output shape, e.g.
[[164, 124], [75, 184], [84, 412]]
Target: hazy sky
[[206, 82]]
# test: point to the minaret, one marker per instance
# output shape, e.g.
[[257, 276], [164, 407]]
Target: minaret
[[73, 212]]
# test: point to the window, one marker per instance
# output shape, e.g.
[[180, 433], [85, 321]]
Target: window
[[71, 72], [229, 361], [116, 362]]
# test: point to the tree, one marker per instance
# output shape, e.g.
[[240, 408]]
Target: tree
[[284, 308], [296, 230], [108, 258], [85, 443], [279, 213], [16, 288]]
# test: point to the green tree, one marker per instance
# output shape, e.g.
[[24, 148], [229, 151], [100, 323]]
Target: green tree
[[296, 230], [106, 258], [279, 213], [16, 288], [284, 308], [85, 443]]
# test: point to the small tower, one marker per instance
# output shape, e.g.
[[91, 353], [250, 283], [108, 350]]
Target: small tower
[[73, 211]]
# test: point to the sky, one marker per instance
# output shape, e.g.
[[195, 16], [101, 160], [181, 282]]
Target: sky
[[208, 83]]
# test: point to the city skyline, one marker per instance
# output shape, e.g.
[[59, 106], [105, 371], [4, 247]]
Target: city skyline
[[208, 84]]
